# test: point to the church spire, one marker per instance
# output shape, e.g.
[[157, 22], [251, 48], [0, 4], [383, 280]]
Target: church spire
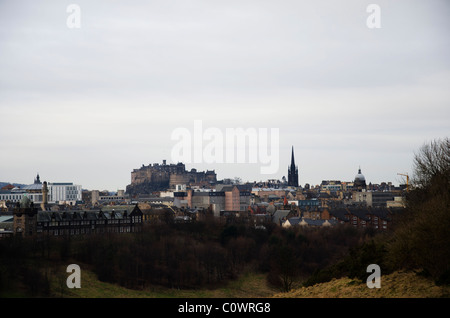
[[293, 171], [292, 159]]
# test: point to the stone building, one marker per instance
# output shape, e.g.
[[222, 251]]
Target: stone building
[[163, 176], [227, 198], [25, 217], [372, 198], [114, 219]]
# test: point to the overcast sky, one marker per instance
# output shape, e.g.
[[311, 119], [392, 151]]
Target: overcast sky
[[88, 105]]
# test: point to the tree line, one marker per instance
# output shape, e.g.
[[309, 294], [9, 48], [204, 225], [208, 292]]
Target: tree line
[[206, 254]]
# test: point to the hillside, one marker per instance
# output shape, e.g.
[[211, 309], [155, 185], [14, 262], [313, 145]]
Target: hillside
[[396, 285], [2, 184], [249, 285]]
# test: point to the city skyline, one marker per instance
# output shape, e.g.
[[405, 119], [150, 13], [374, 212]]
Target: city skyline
[[91, 103], [352, 179]]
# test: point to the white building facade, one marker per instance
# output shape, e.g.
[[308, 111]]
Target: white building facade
[[16, 196], [59, 192]]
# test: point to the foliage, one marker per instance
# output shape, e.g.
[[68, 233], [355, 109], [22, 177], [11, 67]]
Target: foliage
[[421, 240], [182, 256]]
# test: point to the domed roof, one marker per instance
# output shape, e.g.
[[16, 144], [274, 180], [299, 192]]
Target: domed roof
[[360, 181], [360, 176], [34, 186]]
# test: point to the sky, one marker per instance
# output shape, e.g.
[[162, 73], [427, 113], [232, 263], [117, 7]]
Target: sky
[[88, 95]]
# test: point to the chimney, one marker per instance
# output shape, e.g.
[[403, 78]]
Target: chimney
[[44, 196]]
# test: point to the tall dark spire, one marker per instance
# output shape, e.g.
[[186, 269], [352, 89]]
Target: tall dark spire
[[293, 171], [292, 158]]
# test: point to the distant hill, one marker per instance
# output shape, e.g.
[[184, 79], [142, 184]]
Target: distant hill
[[2, 184]]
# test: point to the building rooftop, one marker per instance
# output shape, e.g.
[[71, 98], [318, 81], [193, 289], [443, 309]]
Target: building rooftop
[[34, 186], [6, 218]]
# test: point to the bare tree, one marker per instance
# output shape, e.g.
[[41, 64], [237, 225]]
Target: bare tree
[[432, 164], [421, 239]]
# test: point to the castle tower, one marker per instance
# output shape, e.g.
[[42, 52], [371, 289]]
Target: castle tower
[[293, 172]]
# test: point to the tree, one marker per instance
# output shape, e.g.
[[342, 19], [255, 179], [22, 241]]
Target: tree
[[421, 239], [284, 267], [432, 166]]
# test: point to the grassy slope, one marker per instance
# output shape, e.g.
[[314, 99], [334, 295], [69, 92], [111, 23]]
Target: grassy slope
[[396, 285], [399, 284], [249, 285]]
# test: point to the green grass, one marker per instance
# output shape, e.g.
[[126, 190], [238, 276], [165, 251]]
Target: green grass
[[249, 285]]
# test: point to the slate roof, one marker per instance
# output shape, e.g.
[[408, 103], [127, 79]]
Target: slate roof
[[362, 213], [88, 215], [382, 213], [312, 222], [118, 208], [279, 215], [298, 220], [6, 218], [339, 213], [294, 220], [45, 216], [34, 186]]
